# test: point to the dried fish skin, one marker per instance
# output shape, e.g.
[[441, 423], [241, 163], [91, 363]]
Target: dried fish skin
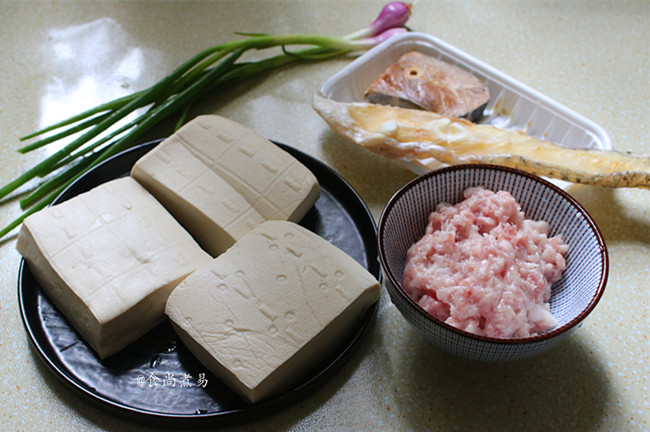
[[424, 140], [418, 80]]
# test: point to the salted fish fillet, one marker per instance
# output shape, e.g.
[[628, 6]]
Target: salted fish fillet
[[425, 140], [418, 80]]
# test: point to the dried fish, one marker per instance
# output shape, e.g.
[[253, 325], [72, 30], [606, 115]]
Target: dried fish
[[425, 140]]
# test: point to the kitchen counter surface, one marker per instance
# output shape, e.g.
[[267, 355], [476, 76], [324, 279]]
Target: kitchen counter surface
[[592, 56]]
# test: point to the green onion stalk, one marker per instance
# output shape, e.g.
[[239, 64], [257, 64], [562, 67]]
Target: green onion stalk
[[204, 74]]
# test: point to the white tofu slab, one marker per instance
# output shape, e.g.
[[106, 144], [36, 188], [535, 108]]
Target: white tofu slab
[[108, 259], [263, 313], [221, 179]]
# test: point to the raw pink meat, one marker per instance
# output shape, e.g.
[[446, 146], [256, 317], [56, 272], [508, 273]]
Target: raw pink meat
[[483, 268]]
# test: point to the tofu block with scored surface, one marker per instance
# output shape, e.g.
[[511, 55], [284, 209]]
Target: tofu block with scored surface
[[265, 312], [108, 259], [221, 179]]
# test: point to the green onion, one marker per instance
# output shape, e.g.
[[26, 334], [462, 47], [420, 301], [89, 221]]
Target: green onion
[[205, 74]]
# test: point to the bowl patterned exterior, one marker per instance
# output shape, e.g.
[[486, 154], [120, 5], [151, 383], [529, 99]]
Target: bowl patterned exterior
[[573, 297]]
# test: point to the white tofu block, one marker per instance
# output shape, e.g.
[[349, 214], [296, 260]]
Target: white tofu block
[[221, 179], [266, 311], [108, 259]]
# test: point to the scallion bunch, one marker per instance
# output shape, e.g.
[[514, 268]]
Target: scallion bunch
[[205, 73]]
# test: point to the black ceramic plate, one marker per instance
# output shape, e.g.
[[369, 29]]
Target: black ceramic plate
[[156, 379]]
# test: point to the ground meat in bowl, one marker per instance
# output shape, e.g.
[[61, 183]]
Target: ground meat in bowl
[[483, 268]]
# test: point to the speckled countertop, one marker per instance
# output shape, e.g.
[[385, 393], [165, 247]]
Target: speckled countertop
[[592, 56]]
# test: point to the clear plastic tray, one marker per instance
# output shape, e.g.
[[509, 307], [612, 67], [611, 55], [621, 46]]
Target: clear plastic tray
[[512, 104]]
